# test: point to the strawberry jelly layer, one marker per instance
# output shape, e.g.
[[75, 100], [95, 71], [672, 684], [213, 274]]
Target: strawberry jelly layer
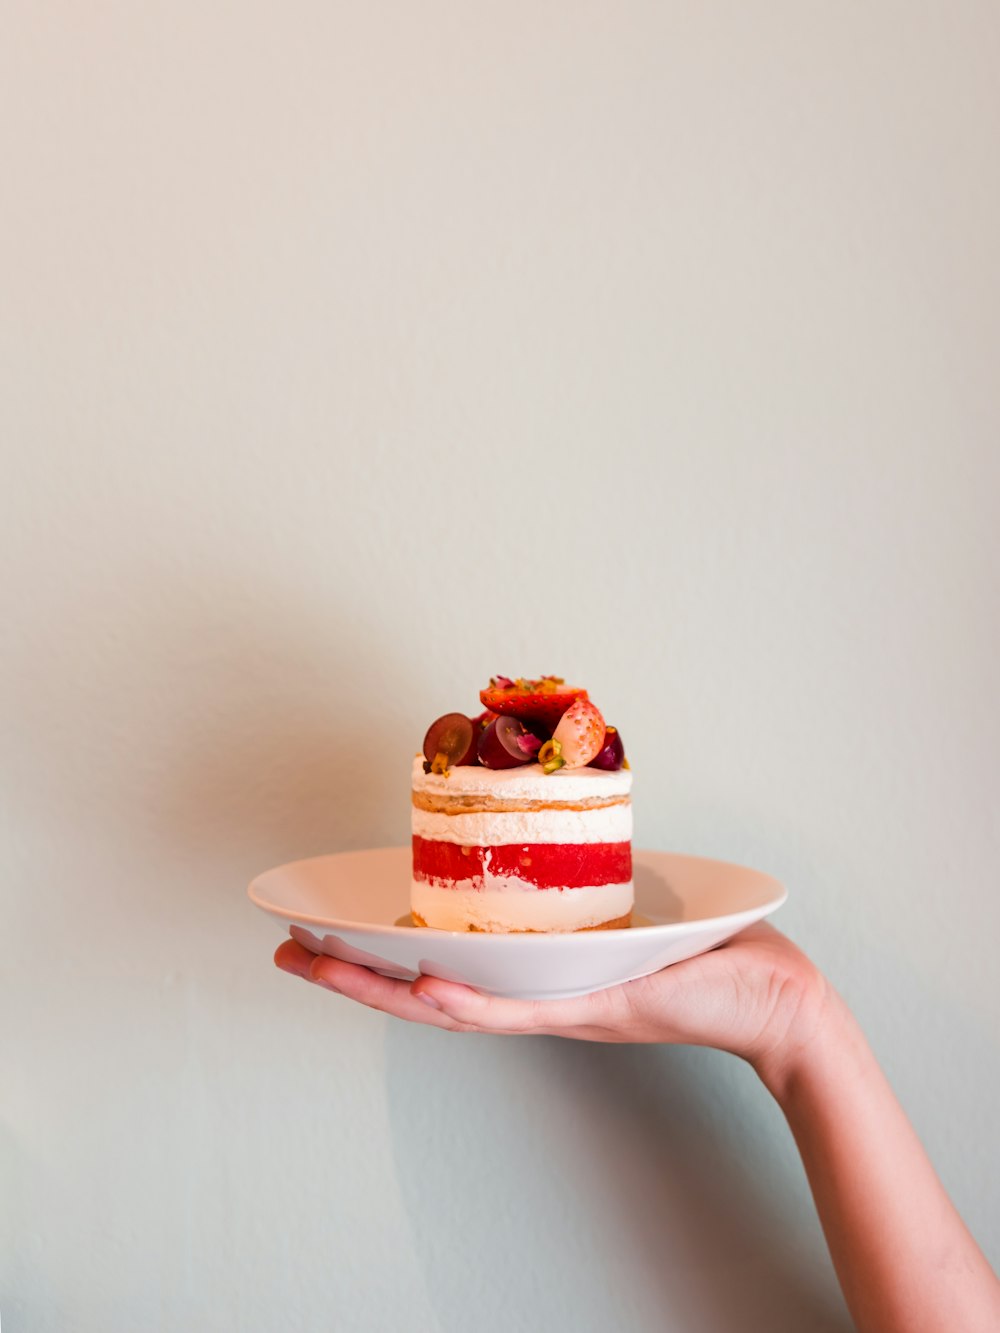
[[542, 865]]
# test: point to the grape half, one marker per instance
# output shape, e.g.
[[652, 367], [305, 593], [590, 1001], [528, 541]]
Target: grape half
[[450, 740], [498, 745], [611, 755]]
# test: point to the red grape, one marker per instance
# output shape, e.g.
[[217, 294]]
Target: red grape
[[611, 755], [471, 755], [449, 740], [498, 744]]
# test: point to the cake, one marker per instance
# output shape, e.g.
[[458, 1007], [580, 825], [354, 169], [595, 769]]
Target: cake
[[522, 816]]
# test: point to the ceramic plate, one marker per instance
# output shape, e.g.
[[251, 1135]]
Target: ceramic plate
[[355, 906]]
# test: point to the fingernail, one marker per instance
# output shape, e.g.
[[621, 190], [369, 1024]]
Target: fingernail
[[428, 999]]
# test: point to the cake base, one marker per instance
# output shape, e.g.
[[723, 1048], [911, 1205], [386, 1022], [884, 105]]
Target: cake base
[[620, 923]]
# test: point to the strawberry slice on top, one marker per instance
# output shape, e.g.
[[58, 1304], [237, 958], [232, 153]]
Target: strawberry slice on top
[[542, 701]]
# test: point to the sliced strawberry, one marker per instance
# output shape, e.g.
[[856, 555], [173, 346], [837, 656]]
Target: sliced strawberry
[[543, 701], [576, 740]]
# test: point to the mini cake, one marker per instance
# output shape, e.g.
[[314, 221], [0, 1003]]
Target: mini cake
[[522, 816]]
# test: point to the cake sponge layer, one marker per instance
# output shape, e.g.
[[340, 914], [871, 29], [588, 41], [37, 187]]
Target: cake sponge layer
[[491, 828]]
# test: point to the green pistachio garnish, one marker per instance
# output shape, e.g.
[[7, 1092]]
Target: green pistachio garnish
[[550, 756]]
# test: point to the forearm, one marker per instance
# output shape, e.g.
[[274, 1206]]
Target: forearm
[[904, 1258]]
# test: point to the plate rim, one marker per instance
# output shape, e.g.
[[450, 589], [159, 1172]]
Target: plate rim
[[531, 939]]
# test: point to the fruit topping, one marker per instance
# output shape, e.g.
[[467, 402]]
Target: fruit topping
[[550, 756], [576, 740], [611, 755], [543, 700], [471, 755], [529, 744], [451, 739], [506, 743], [541, 720]]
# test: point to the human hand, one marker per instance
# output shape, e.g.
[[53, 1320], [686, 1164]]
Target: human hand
[[757, 996]]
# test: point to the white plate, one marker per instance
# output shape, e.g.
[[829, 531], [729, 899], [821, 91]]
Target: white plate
[[355, 906]]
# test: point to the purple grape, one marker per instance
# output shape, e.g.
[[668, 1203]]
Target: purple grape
[[611, 755], [499, 745], [449, 740]]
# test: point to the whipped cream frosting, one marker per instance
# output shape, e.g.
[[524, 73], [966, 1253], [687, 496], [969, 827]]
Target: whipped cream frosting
[[527, 782]]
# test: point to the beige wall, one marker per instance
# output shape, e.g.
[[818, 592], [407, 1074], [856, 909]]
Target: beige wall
[[350, 354]]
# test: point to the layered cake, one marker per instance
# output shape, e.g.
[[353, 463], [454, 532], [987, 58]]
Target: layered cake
[[522, 816]]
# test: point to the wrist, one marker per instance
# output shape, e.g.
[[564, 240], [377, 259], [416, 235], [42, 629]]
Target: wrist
[[807, 1016], [822, 1041]]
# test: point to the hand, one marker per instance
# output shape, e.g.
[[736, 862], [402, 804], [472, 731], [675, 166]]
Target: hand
[[757, 996], [903, 1255]]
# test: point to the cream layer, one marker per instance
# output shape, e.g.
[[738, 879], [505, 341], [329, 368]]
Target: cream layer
[[518, 906], [526, 783], [495, 828]]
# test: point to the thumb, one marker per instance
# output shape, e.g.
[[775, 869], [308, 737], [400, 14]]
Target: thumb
[[494, 1013]]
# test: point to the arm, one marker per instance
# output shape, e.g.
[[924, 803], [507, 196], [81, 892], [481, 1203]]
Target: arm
[[905, 1261], [903, 1256]]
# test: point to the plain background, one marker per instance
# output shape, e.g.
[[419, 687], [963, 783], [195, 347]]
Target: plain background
[[349, 355]]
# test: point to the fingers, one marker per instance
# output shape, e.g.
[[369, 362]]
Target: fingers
[[386, 994], [292, 958], [361, 984], [455, 1008], [461, 1004], [490, 1013]]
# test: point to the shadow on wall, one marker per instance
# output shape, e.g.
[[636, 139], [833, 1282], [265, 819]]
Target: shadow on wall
[[586, 1187], [290, 751], [189, 737]]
